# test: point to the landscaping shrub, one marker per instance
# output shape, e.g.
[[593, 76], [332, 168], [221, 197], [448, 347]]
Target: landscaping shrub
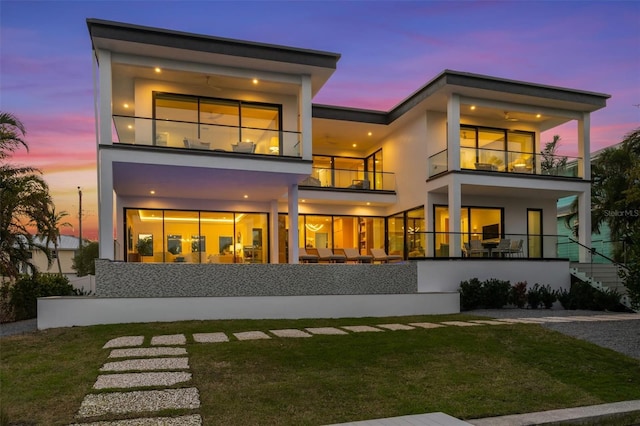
[[471, 296], [534, 296], [518, 294], [582, 296], [547, 296], [26, 290], [495, 293]]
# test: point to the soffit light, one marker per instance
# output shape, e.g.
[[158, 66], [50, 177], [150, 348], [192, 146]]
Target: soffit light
[[157, 70]]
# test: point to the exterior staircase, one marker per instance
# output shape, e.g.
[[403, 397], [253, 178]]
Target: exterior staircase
[[602, 276]]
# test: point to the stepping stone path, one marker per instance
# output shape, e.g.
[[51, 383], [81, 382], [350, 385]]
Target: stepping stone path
[[164, 367]]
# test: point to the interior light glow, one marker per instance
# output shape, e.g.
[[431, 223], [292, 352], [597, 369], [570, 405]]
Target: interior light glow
[[354, 145], [126, 105], [246, 196], [473, 107], [369, 134], [255, 81], [153, 218], [152, 192], [129, 126], [157, 70], [368, 203], [538, 115]]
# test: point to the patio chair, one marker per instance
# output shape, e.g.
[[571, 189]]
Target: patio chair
[[305, 257], [516, 248], [475, 247], [503, 247], [326, 255], [354, 256], [379, 255]]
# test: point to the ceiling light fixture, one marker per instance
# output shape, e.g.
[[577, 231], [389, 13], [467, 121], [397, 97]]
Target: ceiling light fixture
[[255, 81], [314, 228], [157, 70], [354, 145], [473, 107]]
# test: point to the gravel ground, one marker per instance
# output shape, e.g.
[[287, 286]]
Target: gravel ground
[[621, 336]]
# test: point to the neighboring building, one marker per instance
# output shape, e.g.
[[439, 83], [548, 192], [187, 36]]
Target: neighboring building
[[66, 251], [210, 150]]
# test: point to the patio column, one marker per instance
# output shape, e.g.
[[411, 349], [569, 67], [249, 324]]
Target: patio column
[[453, 133], [293, 223], [274, 248], [455, 203], [584, 224], [429, 222], [584, 146], [105, 207], [306, 117]]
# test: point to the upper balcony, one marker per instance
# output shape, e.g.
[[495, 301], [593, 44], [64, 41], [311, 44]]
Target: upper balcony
[[190, 135], [508, 162], [353, 180]]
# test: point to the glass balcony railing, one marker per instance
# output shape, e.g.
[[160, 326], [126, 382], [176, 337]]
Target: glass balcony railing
[[491, 160], [350, 179], [208, 137], [518, 246]]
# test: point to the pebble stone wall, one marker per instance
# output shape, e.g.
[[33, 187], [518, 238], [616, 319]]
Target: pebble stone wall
[[124, 279]]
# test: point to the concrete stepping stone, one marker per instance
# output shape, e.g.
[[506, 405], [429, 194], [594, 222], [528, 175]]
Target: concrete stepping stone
[[326, 330], [361, 328], [536, 320], [210, 337], [490, 322], [461, 323], [556, 319], [395, 327], [144, 352], [138, 402], [134, 380], [290, 333], [426, 325], [147, 364], [191, 420], [170, 339], [125, 341], [251, 335], [518, 321]]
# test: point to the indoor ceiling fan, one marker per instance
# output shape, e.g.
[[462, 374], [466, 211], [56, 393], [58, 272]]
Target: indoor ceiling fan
[[508, 117]]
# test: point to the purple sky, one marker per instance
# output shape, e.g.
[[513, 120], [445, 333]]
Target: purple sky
[[389, 50]]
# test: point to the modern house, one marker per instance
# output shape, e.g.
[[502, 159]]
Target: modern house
[[215, 164]]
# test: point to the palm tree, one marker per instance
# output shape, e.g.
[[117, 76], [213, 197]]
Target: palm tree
[[24, 201], [50, 230]]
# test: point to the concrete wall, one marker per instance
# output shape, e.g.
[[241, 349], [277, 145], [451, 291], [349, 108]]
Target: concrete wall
[[84, 311], [119, 279], [446, 275]]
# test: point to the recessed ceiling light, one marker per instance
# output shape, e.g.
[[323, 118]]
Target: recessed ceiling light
[[152, 192], [246, 196], [369, 134], [158, 70], [129, 126], [473, 107], [368, 203], [126, 105], [354, 145], [538, 115], [304, 201], [255, 81]]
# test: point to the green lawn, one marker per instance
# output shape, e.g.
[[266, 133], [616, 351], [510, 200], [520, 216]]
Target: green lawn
[[466, 372]]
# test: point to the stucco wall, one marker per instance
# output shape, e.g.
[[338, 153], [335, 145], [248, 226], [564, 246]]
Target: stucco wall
[[119, 279]]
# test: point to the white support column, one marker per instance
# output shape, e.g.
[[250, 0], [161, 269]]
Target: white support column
[[453, 133], [105, 207], [294, 252], [584, 146], [305, 117], [274, 248], [429, 222], [104, 98], [455, 203], [584, 224]]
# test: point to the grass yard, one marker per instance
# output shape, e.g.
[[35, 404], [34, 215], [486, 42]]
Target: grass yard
[[466, 372]]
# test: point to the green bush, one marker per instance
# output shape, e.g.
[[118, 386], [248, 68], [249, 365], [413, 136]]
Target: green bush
[[547, 296], [495, 293], [582, 296], [26, 290], [518, 294], [471, 296], [534, 296]]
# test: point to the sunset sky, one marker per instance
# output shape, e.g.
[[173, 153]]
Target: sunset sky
[[389, 50]]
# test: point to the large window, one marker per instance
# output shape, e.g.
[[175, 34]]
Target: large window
[[497, 149], [208, 123], [349, 172], [476, 223], [196, 237]]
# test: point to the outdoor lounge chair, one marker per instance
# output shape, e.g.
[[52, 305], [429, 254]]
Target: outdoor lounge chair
[[502, 247], [516, 248], [326, 255], [305, 257], [354, 256], [379, 255], [476, 247]]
